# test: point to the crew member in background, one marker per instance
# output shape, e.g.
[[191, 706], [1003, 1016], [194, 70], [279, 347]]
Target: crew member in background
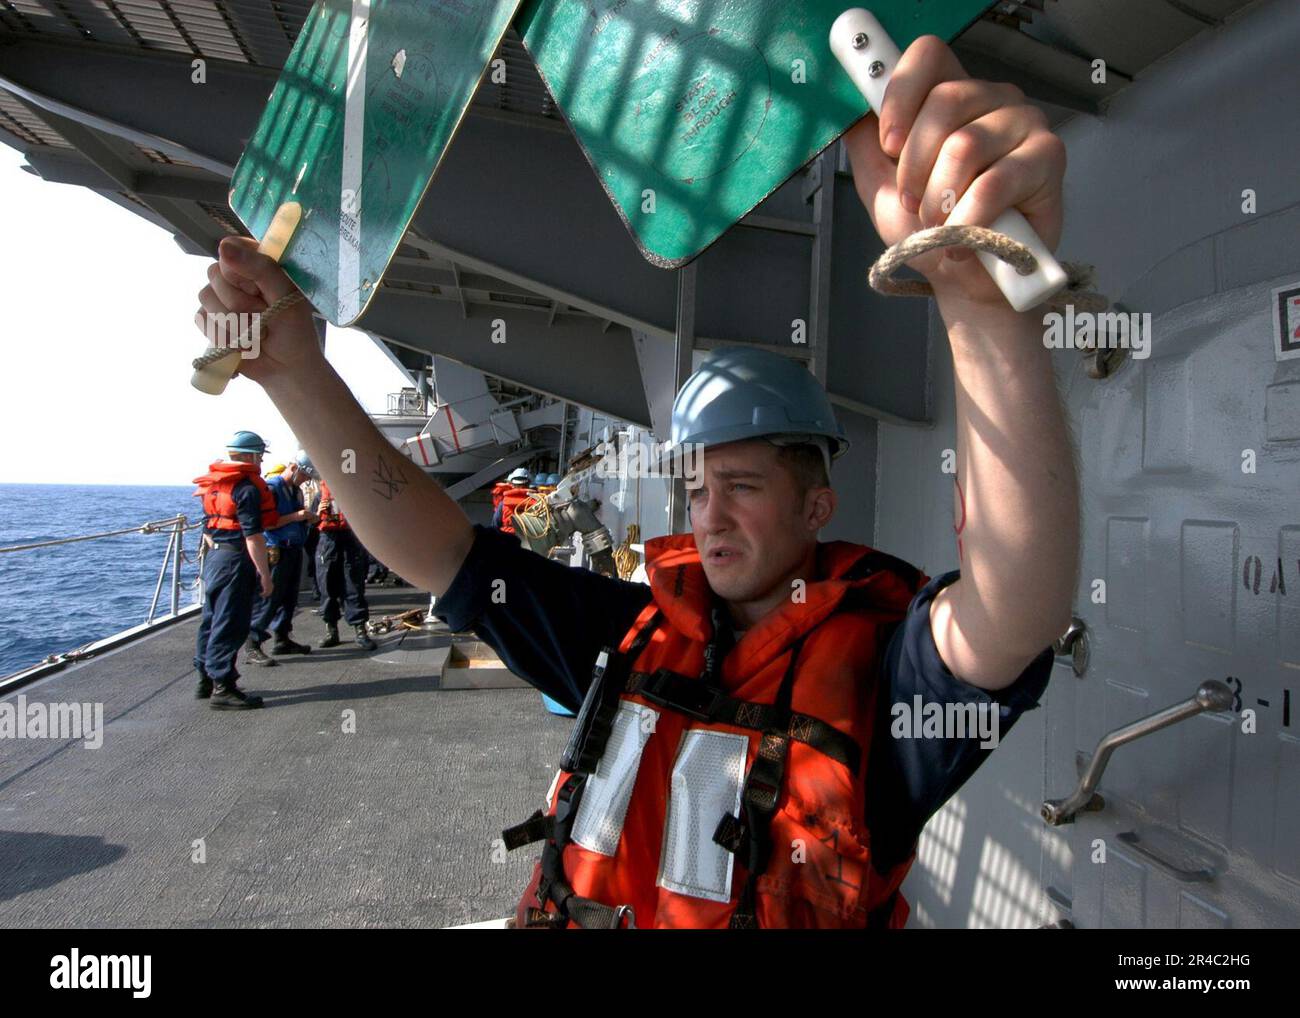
[[285, 544], [311, 499], [341, 565], [498, 493], [512, 499], [239, 508]]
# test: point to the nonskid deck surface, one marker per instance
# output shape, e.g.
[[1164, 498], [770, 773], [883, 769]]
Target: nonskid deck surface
[[299, 823]]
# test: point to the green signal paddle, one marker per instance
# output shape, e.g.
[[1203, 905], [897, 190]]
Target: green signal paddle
[[691, 112], [367, 104]]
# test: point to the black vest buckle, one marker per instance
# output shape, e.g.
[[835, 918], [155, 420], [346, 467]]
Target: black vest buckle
[[692, 697]]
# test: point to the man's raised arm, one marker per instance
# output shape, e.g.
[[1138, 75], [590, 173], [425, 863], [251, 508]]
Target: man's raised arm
[[966, 151], [399, 512]]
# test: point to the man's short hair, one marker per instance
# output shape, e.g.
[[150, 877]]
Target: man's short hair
[[806, 464]]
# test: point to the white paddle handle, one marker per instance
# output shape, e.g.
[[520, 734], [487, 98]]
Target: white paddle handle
[[869, 57]]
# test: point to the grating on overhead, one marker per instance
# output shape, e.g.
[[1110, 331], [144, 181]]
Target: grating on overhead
[[162, 157], [245, 31], [128, 196], [522, 91], [222, 215], [19, 121], [47, 19]]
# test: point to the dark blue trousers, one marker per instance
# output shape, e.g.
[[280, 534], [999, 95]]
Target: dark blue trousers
[[309, 550], [274, 614], [341, 565], [229, 586]]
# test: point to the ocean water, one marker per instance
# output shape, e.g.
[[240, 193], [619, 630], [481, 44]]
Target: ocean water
[[56, 599]]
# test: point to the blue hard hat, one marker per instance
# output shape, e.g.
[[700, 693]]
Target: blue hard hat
[[246, 441], [538, 479], [746, 392], [519, 476], [552, 479], [305, 464]]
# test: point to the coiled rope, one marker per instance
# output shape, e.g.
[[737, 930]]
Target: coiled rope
[[625, 559], [216, 353], [980, 238], [533, 518]]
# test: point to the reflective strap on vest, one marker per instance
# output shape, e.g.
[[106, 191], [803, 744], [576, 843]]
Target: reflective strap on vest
[[591, 728]]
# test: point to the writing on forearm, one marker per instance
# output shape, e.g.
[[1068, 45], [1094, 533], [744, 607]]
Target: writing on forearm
[[388, 480]]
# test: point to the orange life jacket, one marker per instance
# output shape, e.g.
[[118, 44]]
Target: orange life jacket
[[733, 802], [328, 511], [216, 486], [511, 500], [498, 493]]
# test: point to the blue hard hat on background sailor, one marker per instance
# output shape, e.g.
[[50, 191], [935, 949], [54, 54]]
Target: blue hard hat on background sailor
[[285, 550], [512, 480], [238, 508]]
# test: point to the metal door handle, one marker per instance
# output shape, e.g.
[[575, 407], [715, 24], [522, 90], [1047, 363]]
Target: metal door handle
[[1211, 695], [1203, 875], [1074, 642]]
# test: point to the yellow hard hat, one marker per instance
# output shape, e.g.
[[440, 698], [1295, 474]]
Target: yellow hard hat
[[277, 469]]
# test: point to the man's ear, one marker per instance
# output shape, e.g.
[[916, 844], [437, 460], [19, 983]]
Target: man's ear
[[820, 505]]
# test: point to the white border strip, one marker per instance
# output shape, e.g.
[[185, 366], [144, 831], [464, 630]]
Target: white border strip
[[354, 124]]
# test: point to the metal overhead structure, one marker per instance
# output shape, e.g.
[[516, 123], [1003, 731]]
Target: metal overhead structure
[[150, 103]]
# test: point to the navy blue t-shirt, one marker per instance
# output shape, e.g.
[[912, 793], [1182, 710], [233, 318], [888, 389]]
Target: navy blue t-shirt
[[288, 500], [548, 621], [248, 510]]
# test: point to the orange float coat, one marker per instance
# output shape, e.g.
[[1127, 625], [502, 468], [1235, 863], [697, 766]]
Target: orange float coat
[[511, 500], [740, 803], [330, 517], [216, 486]]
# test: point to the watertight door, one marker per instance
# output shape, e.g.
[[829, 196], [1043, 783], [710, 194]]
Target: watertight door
[[1190, 571]]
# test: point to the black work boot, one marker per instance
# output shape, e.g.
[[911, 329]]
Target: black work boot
[[284, 645], [331, 636], [256, 657], [204, 688], [229, 696], [363, 638]]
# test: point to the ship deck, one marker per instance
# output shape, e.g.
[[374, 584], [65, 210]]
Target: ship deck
[[300, 824]]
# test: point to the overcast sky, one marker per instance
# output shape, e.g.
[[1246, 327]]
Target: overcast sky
[[97, 335]]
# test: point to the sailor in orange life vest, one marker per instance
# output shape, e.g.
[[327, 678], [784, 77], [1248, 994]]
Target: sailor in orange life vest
[[239, 508], [284, 543], [499, 492], [741, 703], [515, 494], [341, 566]]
